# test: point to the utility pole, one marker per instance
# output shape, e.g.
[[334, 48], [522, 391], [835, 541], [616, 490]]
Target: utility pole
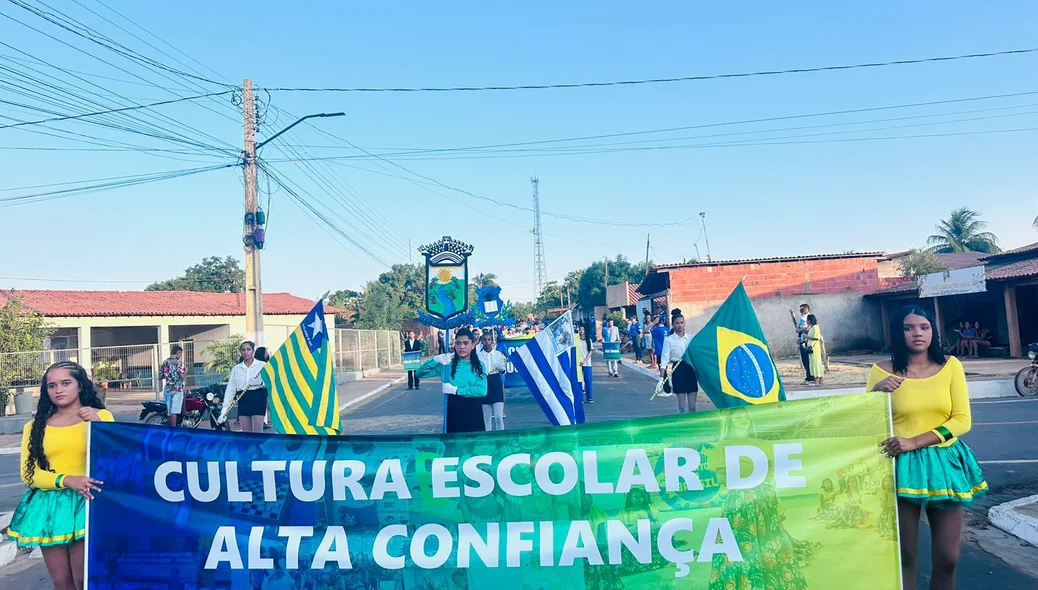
[[540, 272], [254, 234], [253, 284], [646, 254], [606, 284], [702, 216]]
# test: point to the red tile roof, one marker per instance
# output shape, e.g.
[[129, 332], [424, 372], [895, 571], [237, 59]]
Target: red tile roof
[[1013, 270], [1021, 250], [633, 295], [153, 303], [873, 255]]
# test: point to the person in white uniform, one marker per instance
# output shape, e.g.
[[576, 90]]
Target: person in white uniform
[[495, 364], [682, 375], [246, 385]]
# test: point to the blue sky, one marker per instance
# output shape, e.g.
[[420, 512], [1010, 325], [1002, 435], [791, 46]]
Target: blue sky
[[818, 190]]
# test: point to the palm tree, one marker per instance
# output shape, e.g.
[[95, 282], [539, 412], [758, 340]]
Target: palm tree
[[963, 231], [485, 280]]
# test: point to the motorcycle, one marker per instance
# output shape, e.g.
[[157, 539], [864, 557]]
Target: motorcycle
[[1027, 378], [199, 404]]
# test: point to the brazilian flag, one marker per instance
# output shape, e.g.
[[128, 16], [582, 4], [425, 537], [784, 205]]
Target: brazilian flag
[[732, 360]]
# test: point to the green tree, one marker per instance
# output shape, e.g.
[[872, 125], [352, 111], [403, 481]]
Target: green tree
[[221, 356], [920, 262], [22, 330], [963, 231], [212, 275], [551, 296], [350, 302], [591, 291], [521, 310], [393, 298]]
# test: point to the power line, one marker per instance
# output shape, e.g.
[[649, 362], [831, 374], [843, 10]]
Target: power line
[[119, 110], [108, 184], [110, 45], [402, 153], [505, 203], [856, 66]]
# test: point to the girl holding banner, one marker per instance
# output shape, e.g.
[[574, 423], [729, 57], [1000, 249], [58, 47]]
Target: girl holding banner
[[52, 514], [464, 382], [934, 470]]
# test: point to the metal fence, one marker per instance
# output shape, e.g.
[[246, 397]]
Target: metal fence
[[365, 350], [137, 367]]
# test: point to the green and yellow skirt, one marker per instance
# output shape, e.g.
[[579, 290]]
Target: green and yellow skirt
[[941, 477], [45, 518]]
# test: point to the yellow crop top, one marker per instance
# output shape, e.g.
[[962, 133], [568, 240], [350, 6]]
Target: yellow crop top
[[65, 448], [939, 404]]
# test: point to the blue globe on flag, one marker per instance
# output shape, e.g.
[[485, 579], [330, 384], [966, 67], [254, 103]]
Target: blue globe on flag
[[749, 370]]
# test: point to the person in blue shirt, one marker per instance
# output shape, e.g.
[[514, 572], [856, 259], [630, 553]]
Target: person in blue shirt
[[605, 326], [659, 335], [634, 330]]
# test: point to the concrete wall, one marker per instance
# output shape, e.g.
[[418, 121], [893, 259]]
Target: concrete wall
[[848, 320], [617, 296]]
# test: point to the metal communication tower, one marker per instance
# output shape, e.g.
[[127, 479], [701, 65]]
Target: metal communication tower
[[540, 273]]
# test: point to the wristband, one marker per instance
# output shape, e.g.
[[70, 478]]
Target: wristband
[[59, 481]]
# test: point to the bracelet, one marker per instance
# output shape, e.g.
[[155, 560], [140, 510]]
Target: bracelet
[[59, 481]]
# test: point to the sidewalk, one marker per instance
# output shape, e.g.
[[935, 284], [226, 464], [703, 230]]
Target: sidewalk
[[126, 407], [988, 378]]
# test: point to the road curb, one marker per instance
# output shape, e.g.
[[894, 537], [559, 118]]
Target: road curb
[[371, 393], [1010, 518]]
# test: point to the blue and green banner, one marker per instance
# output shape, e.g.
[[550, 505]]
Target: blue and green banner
[[611, 351], [790, 495], [412, 360]]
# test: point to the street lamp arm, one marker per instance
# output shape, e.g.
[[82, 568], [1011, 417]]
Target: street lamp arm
[[314, 116]]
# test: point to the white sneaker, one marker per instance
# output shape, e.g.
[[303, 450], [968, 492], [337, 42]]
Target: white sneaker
[[665, 394]]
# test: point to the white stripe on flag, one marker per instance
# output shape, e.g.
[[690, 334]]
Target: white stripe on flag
[[551, 395], [540, 387]]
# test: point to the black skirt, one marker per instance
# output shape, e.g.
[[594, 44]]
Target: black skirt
[[253, 402], [465, 414], [683, 378], [495, 389]]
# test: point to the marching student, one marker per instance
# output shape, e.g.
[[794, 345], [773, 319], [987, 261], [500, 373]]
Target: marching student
[[412, 344], [683, 381], [464, 382], [495, 364], [246, 390], [935, 471], [52, 513], [585, 363]]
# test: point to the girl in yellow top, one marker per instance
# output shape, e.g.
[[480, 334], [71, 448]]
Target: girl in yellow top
[[52, 514], [935, 470]]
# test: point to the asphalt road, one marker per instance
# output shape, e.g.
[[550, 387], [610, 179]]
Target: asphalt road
[[1004, 439]]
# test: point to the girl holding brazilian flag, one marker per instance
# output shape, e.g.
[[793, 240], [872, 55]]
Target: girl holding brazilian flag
[[935, 471]]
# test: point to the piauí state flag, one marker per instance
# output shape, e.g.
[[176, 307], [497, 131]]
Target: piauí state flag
[[732, 360], [301, 380]]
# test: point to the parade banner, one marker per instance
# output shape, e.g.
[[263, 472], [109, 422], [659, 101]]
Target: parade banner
[[611, 351], [784, 495], [412, 360], [507, 345]]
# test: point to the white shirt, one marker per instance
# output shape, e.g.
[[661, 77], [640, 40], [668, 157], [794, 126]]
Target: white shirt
[[586, 344], [493, 361], [612, 334], [674, 348], [243, 377]]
